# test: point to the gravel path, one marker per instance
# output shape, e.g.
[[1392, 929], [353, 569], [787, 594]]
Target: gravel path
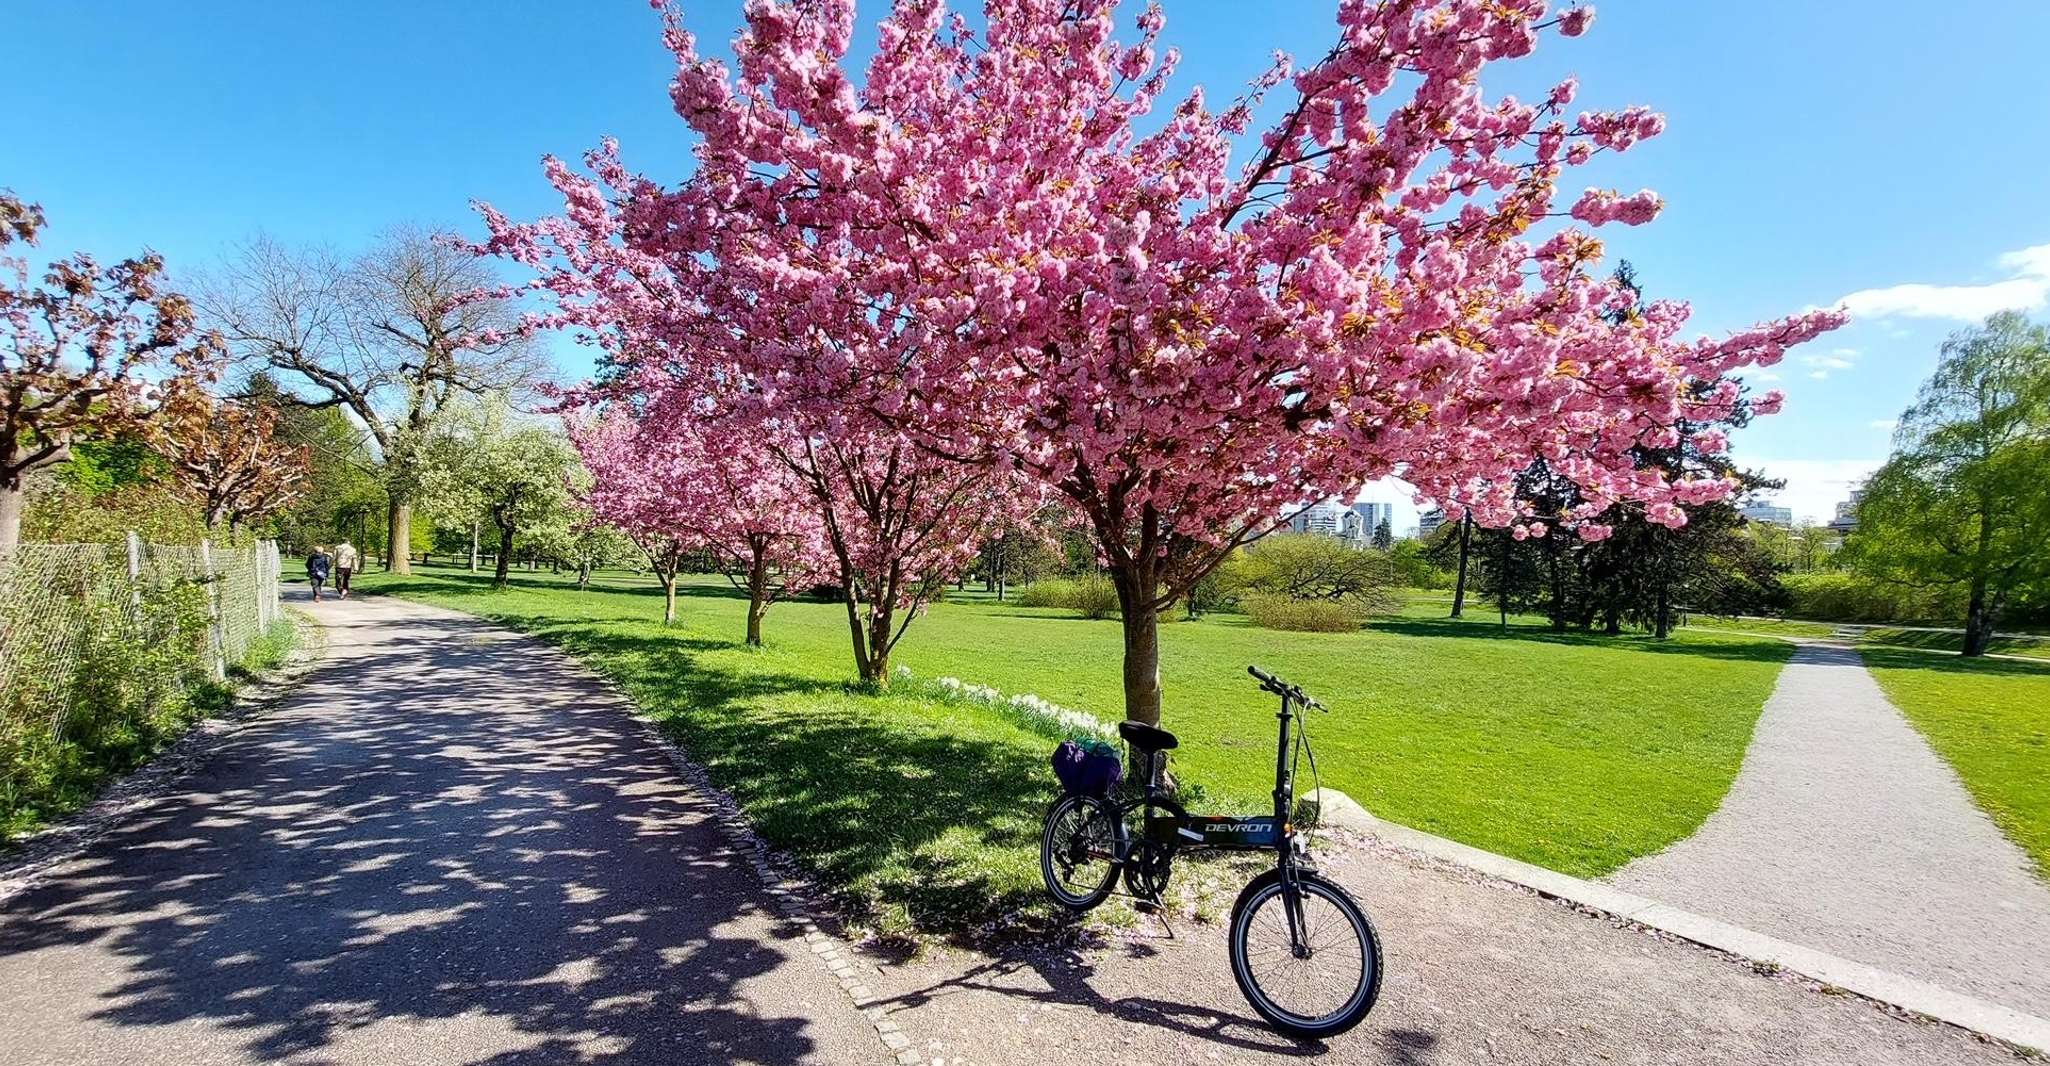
[[1845, 832], [444, 848], [1477, 972]]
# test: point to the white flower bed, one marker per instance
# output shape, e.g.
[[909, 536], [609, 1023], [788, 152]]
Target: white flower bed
[[1032, 712]]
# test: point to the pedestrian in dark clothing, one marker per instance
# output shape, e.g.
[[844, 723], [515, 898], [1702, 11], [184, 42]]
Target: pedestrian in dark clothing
[[318, 565]]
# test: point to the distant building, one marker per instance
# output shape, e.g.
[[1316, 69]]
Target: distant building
[[1323, 517], [1768, 513], [1428, 523], [1354, 525], [1371, 516], [1847, 512]]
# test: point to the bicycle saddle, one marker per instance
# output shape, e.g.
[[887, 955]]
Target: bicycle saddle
[[1146, 737]]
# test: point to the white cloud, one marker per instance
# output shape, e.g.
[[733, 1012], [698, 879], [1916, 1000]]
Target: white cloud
[[1761, 375], [2026, 289], [1837, 359], [1886, 424]]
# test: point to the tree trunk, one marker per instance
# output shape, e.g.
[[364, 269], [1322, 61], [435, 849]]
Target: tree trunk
[[757, 596], [1558, 583], [398, 547], [505, 544], [1978, 628], [880, 615], [1137, 586], [1459, 588], [1503, 579], [1612, 620], [473, 545], [854, 630], [668, 577], [12, 499], [1977, 619], [1662, 624], [583, 576]]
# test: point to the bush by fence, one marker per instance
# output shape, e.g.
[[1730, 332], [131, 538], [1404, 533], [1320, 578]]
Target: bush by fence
[[1093, 596], [108, 651]]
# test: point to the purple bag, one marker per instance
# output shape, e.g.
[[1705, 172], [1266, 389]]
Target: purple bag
[[1086, 772]]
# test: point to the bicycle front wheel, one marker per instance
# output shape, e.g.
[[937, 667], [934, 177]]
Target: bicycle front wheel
[[1313, 984], [1079, 850]]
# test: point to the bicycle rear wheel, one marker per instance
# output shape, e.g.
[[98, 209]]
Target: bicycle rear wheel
[[1318, 987], [1078, 851]]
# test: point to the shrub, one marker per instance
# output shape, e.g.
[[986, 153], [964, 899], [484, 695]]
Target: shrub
[[1096, 597], [1047, 592], [1270, 610], [1848, 597], [1092, 597]]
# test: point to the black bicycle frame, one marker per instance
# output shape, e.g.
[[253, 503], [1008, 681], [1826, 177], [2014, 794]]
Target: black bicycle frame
[[1229, 832], [1178, 830]]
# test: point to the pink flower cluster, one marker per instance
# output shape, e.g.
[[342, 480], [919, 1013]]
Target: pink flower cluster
[[983, 259]]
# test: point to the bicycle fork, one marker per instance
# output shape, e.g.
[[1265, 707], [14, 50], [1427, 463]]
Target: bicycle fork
[[1284, 840]]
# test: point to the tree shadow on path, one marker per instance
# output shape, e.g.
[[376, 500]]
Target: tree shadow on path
[[439, 847]]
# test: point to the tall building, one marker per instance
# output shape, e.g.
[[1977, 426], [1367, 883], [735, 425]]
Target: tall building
[[1428, 522], [1847, 511], [1372, 514], [1354, 525], [1767, 512]]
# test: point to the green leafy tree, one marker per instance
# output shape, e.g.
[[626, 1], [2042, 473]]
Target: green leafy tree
[[519, 479], [1964, 502], [1310, 566]]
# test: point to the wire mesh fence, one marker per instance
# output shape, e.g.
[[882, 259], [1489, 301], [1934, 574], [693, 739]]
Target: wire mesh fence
[[92, 635]]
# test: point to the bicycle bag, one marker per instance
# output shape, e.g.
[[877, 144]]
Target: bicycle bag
[[1091, 768]]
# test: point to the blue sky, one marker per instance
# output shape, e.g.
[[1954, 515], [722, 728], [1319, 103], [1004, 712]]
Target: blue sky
[[1898, 158]]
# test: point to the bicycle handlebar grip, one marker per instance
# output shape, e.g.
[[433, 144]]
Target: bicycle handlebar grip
[[1261, 674]]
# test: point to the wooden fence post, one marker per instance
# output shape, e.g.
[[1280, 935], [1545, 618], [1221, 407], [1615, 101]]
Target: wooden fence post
[[135, 573], [216, 640]]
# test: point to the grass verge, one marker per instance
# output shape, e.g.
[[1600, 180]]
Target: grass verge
[[1990, 718], [1944, 640], [1575, 752]]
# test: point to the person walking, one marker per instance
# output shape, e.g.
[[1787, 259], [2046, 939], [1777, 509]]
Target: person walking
[[317, 567], [345, 564]]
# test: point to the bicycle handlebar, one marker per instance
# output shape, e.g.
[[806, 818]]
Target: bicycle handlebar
[[1282, 688]]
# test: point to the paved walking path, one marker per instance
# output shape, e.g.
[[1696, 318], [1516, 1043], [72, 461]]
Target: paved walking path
[[445, 848], [1845, 832], [1476, 972]]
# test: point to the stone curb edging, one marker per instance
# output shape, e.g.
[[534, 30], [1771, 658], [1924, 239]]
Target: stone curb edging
[[799, 901], [2025, 1032]]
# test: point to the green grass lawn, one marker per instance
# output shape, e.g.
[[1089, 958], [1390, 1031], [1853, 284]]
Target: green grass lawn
[[1578, 753], [1786, 627], [1991, 719], [2033, 647]]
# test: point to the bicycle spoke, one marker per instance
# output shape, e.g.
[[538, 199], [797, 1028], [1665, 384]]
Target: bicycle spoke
[[1314, 986]]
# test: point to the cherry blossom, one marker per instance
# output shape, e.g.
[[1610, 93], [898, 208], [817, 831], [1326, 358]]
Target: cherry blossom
[[987, 254]]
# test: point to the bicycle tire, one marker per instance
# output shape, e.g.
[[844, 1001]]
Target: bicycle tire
[[1091, 812], [1267, 889]]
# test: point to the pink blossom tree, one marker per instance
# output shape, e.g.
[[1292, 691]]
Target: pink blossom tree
[[629, 491], [705, 484], [979, 250], [694, 320]]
